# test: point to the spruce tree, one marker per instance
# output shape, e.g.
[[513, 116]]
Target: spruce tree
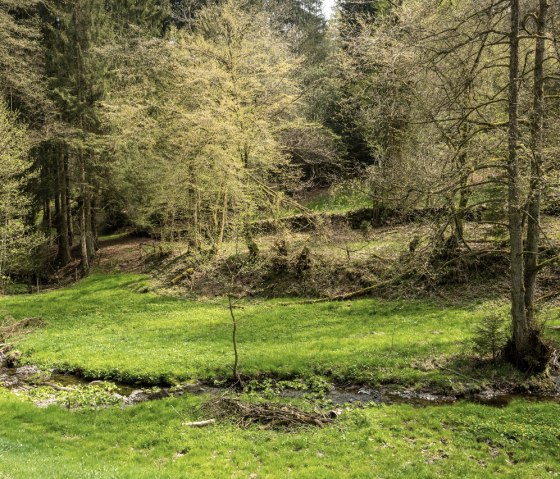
[[21, 65], [77, 80], [17, 238]]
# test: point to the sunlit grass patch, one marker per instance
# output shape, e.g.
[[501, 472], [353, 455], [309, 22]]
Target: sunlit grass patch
[[104, 327]]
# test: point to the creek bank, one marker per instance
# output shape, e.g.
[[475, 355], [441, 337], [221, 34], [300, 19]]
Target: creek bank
[[50, 387]]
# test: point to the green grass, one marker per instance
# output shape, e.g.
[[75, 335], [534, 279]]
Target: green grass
[[105, 329], [150, 441], [340, 200]]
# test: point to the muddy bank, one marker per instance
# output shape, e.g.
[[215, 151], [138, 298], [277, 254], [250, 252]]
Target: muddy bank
[[389, 395]]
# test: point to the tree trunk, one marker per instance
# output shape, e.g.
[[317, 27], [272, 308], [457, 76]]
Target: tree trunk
[[537, 144], [93, 228], [67, 201], [464, 195], [521, 334], [84, 224], [223, 218], [90, 240], [47, 214], [63, 256]]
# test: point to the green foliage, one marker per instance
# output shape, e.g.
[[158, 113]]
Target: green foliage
[[302, 23], [314, 388], [91, 396], [21, 61], [17, 238], [76, 76], [148, 15], [212, 123], [342, 197]]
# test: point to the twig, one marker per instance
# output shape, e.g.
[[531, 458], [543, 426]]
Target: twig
[[547, 296]]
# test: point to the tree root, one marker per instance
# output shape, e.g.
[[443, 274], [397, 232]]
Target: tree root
[[535, 358]]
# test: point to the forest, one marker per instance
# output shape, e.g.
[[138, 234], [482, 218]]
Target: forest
[[279, 238]]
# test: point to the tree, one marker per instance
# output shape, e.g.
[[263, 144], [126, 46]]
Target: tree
[[21, 62], [521, 329], [445, 83], [537, 158], [73, 153], [17, 238], [221, 99], [527, 348]]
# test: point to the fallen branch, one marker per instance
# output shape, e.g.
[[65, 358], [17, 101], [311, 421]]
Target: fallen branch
[[352, 294], [208, 422], [363, 291], [546, 297], [56, 387], [443, 368]]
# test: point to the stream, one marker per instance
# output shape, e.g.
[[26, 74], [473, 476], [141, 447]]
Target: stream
[[58, 388]]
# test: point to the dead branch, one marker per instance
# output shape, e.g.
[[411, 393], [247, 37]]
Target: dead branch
[[10, 327]]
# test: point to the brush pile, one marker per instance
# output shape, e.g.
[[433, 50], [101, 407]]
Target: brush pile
[[267, 415], [9, 326]]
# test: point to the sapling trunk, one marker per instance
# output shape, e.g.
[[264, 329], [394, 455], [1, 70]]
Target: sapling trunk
[[235, 368]]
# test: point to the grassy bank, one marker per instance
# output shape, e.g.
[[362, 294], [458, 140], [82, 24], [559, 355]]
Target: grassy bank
[[150, 440], [104, 327]]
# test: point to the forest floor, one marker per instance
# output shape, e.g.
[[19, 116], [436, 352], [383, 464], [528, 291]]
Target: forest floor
[[330, 260]]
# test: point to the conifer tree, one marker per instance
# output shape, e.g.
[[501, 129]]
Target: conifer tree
[[77, 80], [21, 62], [17, 238]]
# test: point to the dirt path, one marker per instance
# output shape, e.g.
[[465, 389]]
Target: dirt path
[[124, 254]]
